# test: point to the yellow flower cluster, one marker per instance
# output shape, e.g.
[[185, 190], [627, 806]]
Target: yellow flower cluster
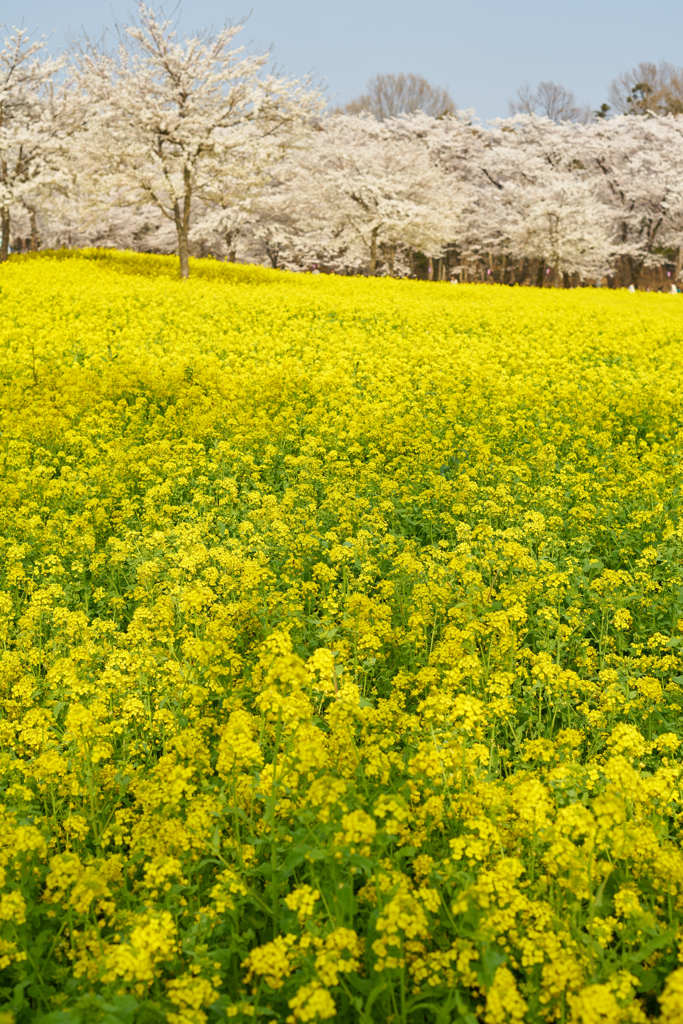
[[341, 648]]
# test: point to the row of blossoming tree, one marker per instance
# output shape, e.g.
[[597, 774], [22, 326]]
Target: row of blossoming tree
[[191, 146]]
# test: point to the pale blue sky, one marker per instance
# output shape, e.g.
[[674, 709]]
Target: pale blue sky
[[481, 52]]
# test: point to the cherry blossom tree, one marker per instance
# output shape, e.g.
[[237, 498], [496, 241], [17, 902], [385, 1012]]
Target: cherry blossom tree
[[241, 180], [29, 129], [461, 146], [552, 212], [165, 112], [364, 195], [637, 165]]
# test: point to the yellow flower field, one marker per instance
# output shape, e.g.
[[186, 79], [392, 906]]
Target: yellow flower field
[[341, 649]]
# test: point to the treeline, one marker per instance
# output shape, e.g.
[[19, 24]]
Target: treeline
[[193, 147]]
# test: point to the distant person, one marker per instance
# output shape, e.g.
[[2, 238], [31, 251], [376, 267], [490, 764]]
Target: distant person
[[631, 287]]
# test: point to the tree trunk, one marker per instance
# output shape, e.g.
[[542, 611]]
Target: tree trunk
[[183, 241], [182, 224], [635, 269], [231, 246], [35, 233], [4, 234], [183, 255], [373, 251]]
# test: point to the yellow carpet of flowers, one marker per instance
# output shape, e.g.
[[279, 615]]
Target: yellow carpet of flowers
[[341, 649]]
